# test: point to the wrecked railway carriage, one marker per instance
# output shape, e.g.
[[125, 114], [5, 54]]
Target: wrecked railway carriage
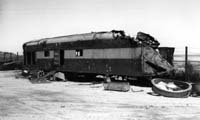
[[106, 53]]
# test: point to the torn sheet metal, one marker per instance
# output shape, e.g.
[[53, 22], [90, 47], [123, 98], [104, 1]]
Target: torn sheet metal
[[153, 59], [59, 76]]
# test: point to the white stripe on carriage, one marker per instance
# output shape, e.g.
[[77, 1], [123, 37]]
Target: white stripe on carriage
[[111, 53], [40, 55]]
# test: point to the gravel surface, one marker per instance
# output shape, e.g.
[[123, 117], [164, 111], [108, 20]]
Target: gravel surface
[[22, 100]]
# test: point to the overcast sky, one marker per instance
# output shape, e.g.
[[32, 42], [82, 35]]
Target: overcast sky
[[172, 22]]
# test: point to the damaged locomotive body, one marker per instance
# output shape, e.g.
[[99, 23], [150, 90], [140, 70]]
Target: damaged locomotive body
[[106, 53]]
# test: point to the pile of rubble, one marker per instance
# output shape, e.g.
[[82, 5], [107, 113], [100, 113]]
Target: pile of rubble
[[39, 76]]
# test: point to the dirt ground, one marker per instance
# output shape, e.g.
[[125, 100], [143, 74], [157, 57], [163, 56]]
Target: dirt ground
[[22, 100]]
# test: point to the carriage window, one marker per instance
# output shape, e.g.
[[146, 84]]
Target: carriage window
[[79, 53], [46, 53]]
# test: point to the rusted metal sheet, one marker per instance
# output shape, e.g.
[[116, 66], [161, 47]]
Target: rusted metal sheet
[[117, 86], [59, 76], [154, 62]]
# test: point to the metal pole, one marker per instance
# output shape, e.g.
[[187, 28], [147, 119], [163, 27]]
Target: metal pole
[[10, 56], [17, 56], [4, 56], [186, 63]]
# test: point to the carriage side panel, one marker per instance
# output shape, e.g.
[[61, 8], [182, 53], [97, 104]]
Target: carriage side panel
[[119, 61]]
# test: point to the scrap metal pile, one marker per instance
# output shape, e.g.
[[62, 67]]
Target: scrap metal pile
[[147, 40], [154, 58], [39, 76]]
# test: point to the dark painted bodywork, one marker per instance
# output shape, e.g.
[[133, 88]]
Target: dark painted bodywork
[[136, 67]]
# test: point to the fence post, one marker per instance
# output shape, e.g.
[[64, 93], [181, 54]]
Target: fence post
[[10, 56], [17, 56], [4, 56], [186, 63]]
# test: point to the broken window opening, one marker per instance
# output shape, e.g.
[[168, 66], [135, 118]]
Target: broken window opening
[[79, 53], [46, 54]]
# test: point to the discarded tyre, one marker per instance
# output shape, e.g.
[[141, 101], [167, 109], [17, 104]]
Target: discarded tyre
[[178, 89]]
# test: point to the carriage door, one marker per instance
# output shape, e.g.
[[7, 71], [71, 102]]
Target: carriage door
[[62, 59], [59, 57]]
